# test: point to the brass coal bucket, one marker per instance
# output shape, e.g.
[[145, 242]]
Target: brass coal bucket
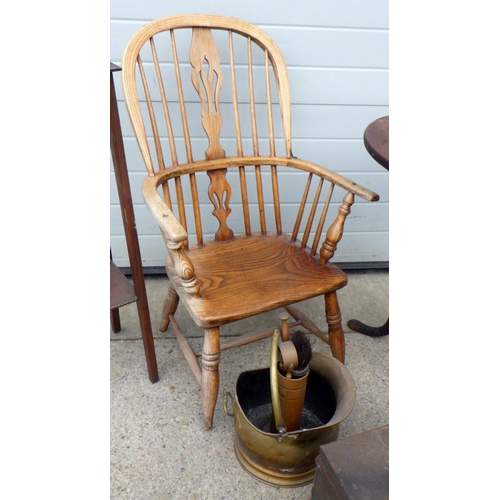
[[287, 459]]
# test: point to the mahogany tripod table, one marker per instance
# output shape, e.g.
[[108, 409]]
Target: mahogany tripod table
[[376, 140]]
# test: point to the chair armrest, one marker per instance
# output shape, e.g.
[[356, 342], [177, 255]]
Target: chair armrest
[[337, 179], [170, 226], [154, 181], [173, 232]]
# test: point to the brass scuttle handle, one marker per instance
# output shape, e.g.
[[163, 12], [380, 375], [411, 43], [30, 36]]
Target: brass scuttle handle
[[278, 417]]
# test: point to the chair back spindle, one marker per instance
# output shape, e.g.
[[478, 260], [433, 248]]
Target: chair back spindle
[[182, 103], [166, 111]]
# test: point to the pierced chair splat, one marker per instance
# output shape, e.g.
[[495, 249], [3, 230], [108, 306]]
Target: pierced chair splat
[[246, 224]]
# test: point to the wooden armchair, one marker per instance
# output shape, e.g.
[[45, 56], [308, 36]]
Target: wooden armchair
[[224, 189]]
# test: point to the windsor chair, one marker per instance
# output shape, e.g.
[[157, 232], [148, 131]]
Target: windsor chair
[[208, 97]]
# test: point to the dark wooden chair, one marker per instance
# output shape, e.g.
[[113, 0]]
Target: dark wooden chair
[[209, 101]]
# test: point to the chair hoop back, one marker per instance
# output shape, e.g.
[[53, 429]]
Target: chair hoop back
[[144, 84]]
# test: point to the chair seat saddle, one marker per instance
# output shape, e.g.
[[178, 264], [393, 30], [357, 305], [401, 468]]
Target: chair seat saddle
[[252, 275]]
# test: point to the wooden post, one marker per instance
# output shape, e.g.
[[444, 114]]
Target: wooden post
[[335, 231], [210, 374], [134, 254]]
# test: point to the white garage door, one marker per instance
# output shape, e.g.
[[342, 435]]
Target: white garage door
[[337, 54]]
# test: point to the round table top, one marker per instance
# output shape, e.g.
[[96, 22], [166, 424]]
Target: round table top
[[376, 139]]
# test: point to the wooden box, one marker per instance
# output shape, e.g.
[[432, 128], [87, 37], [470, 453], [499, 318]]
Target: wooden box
[[356, 467]]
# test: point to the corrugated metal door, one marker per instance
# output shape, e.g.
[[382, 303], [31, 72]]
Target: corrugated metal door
[[337, 53]]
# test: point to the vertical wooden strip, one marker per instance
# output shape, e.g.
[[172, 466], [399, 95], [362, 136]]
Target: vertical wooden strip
[[283, 88], [244, 201], [300, 213], [255, 139], [181, 207], [312, 213], [260, 199], [173, 150], [239, 144], [272, 151], [182, 104], [276, 199], [166, 194], [321, 222], [152, 118], [335, 231], [253, 118], [196, 209], [269, 108]]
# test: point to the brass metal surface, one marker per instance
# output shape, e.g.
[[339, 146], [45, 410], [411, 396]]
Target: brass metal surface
[[287, 459]]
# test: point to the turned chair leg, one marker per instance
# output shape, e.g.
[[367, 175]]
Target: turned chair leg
[[169, 307], [210, 374], [335, 331]]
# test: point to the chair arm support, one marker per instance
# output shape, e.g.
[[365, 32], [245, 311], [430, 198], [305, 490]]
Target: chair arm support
[[184, 268], [174, 234], [335, 231]]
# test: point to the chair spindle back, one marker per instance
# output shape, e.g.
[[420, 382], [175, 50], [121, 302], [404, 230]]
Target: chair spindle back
[[232, 75]]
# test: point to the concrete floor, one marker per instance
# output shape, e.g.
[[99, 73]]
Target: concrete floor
[[158, 447]]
